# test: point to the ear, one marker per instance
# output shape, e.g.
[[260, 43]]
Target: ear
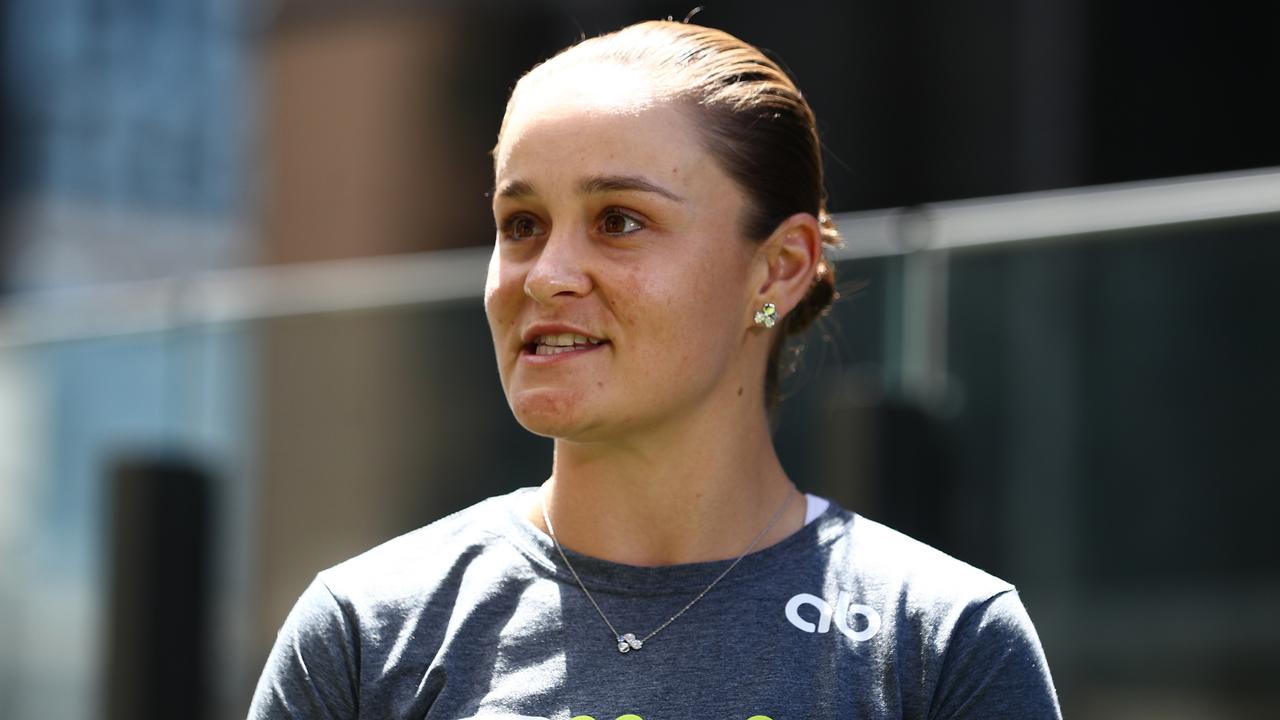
[[790, 258]]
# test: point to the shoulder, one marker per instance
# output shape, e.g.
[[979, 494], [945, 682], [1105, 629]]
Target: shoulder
[[386, 608], [925, 596], [919, 573], [429, 559], [977, 646], [994, 666]]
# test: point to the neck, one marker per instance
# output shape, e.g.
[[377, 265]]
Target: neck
[[687, 493]]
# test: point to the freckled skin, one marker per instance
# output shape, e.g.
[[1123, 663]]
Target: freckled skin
[[672, 298]]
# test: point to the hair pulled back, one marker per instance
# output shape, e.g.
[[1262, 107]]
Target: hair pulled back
[[755, 122]]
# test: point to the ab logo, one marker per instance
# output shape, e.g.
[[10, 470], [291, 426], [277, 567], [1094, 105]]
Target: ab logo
[[844, 610]]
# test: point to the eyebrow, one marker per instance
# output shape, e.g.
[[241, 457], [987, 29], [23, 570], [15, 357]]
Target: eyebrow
[[514, 189], [595, 184], [615, 183]]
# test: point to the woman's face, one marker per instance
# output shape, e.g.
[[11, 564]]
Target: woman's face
[[619, 291]]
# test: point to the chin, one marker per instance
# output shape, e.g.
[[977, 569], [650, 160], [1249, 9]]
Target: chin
[[554, 413]]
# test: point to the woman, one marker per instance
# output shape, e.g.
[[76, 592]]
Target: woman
[[659, 205]]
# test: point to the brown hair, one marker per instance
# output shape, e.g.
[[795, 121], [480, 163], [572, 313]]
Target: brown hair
[[756, 123]]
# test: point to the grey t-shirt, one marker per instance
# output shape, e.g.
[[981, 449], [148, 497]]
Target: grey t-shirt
[[476, 616]]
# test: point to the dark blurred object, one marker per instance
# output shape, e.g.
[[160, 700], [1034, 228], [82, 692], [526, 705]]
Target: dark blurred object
[[7, 150], [157, 629]]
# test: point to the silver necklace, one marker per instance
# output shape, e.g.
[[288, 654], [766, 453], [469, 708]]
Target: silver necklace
[[628, 641]]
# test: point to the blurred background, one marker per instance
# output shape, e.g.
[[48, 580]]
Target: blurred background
[[241, 336]]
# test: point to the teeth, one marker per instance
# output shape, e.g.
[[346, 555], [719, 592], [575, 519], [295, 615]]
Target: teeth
[[566, 340], [562, 342], [553, 349]]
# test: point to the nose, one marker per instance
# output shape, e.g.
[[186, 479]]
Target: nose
[[559, 270]]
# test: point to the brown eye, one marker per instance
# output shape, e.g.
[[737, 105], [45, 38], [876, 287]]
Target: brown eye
[[618, 223], [521, 227]]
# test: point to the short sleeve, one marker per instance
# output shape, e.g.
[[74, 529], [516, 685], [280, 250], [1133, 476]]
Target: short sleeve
[[994, 667], [312, 670]]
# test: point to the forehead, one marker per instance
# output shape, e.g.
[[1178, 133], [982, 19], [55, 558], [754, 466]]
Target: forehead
[[601, 115], [601, 84]]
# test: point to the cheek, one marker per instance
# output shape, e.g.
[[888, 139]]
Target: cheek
[[503, 290], [502, 302], [497, 310], [685, 319]]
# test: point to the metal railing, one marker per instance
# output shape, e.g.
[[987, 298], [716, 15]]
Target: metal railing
[[923, 233]]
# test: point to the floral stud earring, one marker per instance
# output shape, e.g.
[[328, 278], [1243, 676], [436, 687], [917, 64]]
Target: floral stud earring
[[767, 315]]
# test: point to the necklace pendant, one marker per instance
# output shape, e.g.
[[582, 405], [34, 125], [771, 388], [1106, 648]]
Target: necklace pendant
[[628, 642]]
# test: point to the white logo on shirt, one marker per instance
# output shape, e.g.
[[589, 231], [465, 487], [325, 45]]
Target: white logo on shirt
[[843, 609]]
